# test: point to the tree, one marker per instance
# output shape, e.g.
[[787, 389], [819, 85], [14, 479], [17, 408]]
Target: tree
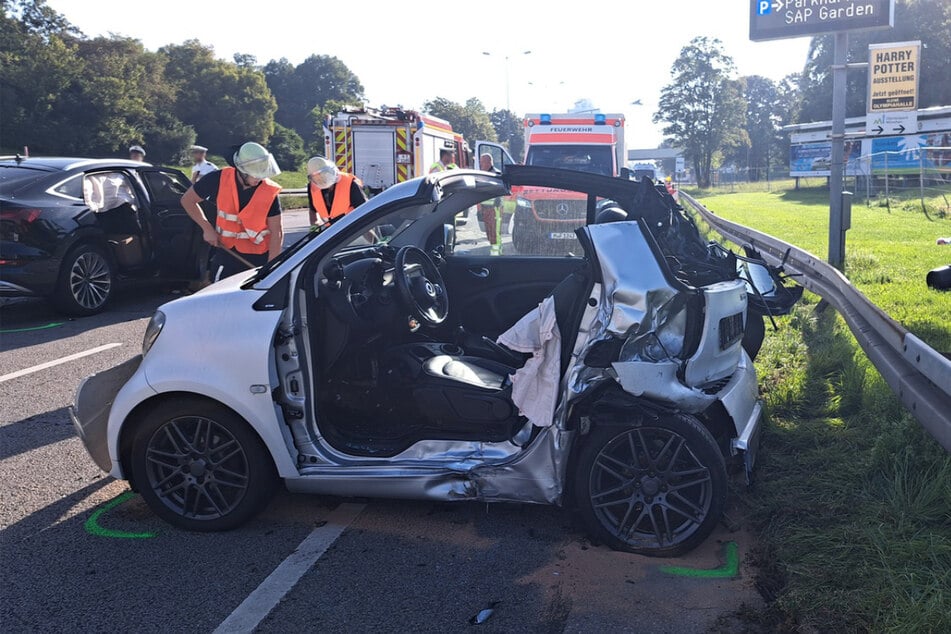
[[925, 20], [470, 120], [702, 108], [287, 148], [225, 103], [312, 84], [762, 118], [510, 131]]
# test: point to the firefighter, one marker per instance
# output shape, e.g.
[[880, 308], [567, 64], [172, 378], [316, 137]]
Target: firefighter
[[249, 211], [331, 193], [446, 162], [490, 211]]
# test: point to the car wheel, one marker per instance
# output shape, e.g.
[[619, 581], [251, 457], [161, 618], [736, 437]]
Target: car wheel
[[199, 466], [85, 282], [657, 489]]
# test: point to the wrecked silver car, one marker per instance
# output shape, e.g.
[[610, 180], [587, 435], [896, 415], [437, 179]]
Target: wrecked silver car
[[395, 354]]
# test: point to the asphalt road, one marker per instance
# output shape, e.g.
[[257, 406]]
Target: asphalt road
[[77, 553]]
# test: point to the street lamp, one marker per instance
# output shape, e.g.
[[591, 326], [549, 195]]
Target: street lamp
[[507, 58]]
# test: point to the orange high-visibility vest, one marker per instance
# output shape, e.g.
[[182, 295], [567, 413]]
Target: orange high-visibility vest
[[341, 204], [244, 230]]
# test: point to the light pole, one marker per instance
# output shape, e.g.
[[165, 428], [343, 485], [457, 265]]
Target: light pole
[[508, 105]]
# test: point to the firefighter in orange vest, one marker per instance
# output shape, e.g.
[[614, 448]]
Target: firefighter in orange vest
[[331, 193], [248, 220]]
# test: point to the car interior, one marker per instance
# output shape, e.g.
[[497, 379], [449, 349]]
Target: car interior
[[406, 346]]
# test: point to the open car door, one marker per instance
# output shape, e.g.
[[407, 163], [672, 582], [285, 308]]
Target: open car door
[[179, 248]]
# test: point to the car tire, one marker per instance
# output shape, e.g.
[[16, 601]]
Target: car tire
[[658, 488], [200, 467], [86, 281]]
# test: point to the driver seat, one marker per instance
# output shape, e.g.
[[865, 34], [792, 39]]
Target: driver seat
[[474, 371]]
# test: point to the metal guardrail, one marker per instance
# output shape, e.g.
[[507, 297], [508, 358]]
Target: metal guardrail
[[294, 192], [919, 375]]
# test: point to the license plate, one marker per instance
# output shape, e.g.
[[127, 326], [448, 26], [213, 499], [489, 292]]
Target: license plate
[[561, 235]]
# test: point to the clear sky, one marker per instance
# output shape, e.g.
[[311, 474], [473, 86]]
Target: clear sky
[[611, 53]]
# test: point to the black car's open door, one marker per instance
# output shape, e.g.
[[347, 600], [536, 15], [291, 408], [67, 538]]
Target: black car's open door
[[179, 247]]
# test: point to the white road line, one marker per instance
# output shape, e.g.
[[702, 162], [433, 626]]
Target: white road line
[[51, 364], [266, 596]]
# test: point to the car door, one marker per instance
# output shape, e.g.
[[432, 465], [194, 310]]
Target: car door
[[178, 243], [490, 292], [118, 206]]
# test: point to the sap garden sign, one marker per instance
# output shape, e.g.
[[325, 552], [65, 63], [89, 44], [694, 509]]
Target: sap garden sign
[[778, 19]]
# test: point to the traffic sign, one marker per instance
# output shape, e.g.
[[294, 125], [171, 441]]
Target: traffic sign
[[893, 76], [892, 123], [778, 19]]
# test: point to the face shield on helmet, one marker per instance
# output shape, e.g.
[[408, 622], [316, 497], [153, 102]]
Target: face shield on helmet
[[255, 161], [322, 172]]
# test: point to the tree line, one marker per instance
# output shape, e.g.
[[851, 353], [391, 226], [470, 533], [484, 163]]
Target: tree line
[[721, 119], [62, 93]]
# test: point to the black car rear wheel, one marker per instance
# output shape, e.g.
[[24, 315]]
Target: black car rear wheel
[[86, 281], [657, 489]]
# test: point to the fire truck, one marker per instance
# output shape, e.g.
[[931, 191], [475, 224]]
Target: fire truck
[[386, 146], [545, 219]]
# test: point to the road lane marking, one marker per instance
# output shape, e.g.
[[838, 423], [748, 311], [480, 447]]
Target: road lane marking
[[56, 362], [266, 596]]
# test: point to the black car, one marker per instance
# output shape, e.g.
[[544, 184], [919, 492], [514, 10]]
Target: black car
[[74, 229]]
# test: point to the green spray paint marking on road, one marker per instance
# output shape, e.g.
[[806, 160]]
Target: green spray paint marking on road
[[92, 524], [727, 571], [52, 324]]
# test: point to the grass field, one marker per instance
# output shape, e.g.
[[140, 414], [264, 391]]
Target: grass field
[[852, 504], [888, 253]]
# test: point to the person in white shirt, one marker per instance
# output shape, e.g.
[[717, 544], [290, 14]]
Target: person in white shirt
[[201, 165]]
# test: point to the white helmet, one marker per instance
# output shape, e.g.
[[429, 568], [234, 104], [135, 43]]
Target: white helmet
[[137, 148], [255, 161], [322, 172]]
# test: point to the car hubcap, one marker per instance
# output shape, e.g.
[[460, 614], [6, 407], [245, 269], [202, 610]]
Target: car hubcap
[[90, 280], [197, 468], [649, 489]]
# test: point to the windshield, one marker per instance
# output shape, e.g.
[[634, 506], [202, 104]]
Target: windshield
[[596, 159]]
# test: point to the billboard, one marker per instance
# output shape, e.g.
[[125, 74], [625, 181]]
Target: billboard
[[893, 76], [909, 154], [815, 159], [778, 19]]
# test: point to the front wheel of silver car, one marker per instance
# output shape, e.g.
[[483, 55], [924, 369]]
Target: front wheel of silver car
[[200, 467], [657, 488]]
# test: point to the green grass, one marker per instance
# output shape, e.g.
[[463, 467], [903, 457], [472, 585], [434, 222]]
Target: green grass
[[852, 504], [286, 179], [888, 253]]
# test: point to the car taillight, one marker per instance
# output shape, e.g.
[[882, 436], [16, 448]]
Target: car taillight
[[22, 216]]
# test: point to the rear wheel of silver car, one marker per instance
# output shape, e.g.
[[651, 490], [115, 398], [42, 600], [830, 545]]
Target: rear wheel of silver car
[[200, 467], [85, 281], [656, 489]]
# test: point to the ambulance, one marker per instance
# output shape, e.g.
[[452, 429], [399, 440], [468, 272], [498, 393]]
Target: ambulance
[[386, 146], [545, 219]]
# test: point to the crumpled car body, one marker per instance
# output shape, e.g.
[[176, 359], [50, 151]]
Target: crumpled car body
[[363, 362]]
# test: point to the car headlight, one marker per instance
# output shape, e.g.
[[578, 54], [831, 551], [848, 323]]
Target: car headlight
[[152, 331], [523, 202]]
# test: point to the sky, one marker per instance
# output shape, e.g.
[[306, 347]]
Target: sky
[[610, 53]]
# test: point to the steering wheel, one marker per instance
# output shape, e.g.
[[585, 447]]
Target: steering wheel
[[420, 286]]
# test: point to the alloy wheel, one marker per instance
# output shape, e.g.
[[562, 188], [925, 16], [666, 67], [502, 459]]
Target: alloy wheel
[[649, 489], [90, 280], [197, 468]]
